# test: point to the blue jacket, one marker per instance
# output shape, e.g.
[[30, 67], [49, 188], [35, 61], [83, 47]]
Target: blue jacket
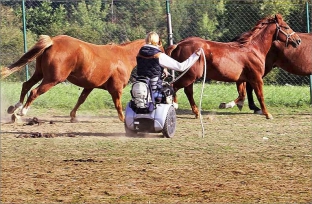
[[148, 64]]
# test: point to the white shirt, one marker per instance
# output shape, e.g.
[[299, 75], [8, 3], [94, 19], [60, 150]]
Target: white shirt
[[167, 62], [170, 63]]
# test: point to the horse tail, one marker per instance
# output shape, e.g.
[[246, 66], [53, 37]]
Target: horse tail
[[170, 49], [43, 43]]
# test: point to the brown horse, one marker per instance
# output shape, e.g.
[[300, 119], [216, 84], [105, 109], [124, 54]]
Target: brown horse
[[240, 61], [84, 64], [295, 61]]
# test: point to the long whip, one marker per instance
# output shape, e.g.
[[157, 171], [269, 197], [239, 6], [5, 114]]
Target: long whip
[[202, 90], [202, 93]]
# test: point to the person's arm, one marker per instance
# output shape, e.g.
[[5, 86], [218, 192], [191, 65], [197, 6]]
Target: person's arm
[[170, 63]]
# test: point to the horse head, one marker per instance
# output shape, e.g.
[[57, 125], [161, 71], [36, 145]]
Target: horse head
[[284, 33]]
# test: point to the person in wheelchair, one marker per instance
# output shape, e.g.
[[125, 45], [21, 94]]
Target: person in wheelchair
[[153, 63]]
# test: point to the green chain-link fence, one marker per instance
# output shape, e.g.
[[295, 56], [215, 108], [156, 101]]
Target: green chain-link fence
[[105, 21]]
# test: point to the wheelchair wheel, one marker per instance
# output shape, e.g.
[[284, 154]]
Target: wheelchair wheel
[[129, 132], [170, 123]]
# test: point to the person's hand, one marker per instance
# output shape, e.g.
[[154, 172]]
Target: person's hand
[[165, 74], [198, 51]]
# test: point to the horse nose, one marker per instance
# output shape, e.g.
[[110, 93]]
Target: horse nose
[[299, 41]]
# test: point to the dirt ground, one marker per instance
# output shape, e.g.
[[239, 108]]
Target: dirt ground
[[239, 158]]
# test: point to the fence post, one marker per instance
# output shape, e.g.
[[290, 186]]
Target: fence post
[[169, 27], [308, 28], [24, 35]]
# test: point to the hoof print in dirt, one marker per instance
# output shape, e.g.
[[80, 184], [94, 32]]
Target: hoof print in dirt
[[37, 135], [43, 135], [33, 121]]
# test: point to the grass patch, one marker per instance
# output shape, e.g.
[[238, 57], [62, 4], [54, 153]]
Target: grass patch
[[65, 95]]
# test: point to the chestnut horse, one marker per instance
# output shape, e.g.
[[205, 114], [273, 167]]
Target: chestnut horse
[[240, 61], [84, 64], [295, 61]]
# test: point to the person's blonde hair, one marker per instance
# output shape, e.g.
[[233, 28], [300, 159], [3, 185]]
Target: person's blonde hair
[[152, 38]]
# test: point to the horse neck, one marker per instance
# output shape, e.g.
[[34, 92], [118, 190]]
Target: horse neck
[[293, 60], [132, 49], [264, 38]]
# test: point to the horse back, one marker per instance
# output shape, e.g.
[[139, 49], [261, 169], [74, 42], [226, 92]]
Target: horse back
[[89, 65], [182, 51]]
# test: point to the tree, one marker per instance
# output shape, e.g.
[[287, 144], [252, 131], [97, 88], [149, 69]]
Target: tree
[[88, 22], [12, 43], [137, 17], [44, 19], [196, 18]]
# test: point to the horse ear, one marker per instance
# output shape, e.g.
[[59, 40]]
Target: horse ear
[[161, 46], [160, 43], [278, 18]]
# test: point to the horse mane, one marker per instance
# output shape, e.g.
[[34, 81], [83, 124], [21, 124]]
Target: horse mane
[[123, 43], [246, 37], [126, 43]]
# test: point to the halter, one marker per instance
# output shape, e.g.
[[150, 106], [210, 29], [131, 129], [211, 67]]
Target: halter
[[278, 28]]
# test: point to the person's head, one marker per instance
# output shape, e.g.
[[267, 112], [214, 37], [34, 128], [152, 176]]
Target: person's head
[[152, 38]]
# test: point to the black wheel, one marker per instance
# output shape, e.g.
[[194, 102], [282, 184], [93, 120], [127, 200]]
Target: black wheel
[[170, 123], [129, 132]]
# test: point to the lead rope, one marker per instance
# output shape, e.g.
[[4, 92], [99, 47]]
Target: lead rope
[[176, 79], [202, 93]]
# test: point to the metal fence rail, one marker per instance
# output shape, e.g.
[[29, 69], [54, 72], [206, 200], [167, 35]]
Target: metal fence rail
[[105, 21]]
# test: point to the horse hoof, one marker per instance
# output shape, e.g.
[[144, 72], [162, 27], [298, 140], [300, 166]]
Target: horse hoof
[[11, 109], [259, 112], [269, 116], [14, 118], [73, 120], [222, 105], [240, 107]]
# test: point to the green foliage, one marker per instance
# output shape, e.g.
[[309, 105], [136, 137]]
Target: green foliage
[[102, 22], [88, 21], [12, 43], [236, 21], [67, 96], [45, 19]]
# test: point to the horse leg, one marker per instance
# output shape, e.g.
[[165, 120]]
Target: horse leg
[[175, 98], [84, 94], [116, 96], [241, 89], [258, 87], [188, 90], [25, 88], [239, 101], [41, 89], [251, 102]]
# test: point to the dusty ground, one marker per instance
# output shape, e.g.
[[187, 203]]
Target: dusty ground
[[242, 158]]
